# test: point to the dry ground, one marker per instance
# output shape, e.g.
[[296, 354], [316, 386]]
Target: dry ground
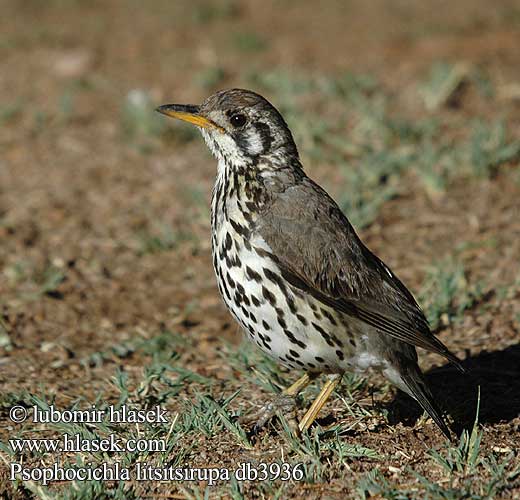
[[407, 112]]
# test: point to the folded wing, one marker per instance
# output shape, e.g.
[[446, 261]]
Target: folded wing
[[319, 252]]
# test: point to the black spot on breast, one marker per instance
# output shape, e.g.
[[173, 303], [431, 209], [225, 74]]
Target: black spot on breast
[[250, 273], [252, 207], [228, 242], [272, 276], [302, 319], [293, 339], [268, 296], [329, 316], [239, 228], [293, 353], [328, 338], [255, 301], [324, 334], [290, 336], [248, 217], [262, 252], [319, 359], [340, 355], [352, 342], [278, 280], [265, 324], [290, 301], [230, 281], [226, 291], [281, 321], [252, 316]]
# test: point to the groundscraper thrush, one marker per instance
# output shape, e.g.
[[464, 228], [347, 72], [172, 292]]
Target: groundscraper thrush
[[290, 267]]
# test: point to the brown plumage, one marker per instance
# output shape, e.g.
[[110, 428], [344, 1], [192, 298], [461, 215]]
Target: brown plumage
[[290, 266]]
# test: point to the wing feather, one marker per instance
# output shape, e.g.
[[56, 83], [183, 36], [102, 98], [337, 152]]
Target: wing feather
[[319, 252]]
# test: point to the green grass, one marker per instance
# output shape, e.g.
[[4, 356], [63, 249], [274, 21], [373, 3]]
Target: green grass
[[158, 236], [10, 112], [141, 124], [210, 78], [37, 280], [206, 12], [443, 82], [489, 148], [249, 42], [446, 293]]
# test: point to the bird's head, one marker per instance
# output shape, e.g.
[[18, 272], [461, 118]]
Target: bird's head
[[240, 127]]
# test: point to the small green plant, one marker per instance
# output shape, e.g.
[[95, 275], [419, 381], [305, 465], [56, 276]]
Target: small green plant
[[206, 12], [442, 84], [51, 279], [446, 294], [489, 148], [464, 458], [210, 78], [161, 237], [9, 112], [249, 42], [139, 119]]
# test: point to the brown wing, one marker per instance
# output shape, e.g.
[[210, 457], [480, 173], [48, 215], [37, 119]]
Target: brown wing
[[319, 252]]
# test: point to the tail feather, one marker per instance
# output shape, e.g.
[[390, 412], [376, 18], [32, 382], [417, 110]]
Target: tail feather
[[414, 381], [444, 351]]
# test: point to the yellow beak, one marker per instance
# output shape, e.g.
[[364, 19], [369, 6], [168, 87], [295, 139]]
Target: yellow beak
[[188, 113]]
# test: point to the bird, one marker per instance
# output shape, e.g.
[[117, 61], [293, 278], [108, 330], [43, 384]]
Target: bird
[[291, 268]]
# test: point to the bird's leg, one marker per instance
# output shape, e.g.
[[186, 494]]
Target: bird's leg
[[299, 385], [283, 402], [319, 402]]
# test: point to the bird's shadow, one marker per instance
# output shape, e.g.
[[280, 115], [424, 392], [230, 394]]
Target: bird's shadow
[[497, 374]]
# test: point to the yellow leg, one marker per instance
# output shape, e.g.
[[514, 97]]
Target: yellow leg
[[318, 403], [299, 385]]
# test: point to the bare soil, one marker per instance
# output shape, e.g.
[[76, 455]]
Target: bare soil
[[81, 198]]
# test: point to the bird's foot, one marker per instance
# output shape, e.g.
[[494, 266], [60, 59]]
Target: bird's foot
[[283, 404]]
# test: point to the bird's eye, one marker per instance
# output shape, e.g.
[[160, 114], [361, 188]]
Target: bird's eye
[[238, 120]]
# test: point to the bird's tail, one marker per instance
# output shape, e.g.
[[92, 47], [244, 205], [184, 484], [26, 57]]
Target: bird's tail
[[415, 386]]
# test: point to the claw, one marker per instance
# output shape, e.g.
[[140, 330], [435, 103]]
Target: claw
[[282, 404]]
